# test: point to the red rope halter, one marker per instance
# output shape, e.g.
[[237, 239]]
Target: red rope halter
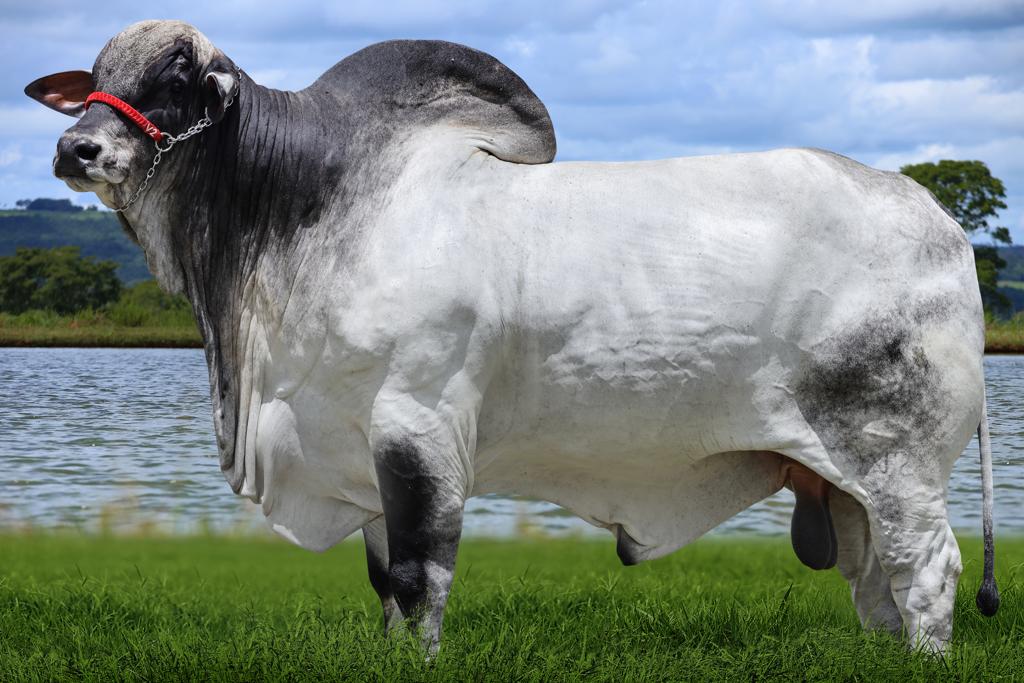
[[128, 110]]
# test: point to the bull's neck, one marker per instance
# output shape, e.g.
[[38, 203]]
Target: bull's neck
[[256, 179], [245, 195]]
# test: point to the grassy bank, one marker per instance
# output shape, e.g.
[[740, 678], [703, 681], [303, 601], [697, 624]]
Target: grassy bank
[[91, 329], [100, 335], [1005, 336], [101, 329], [253, 609], [144, 316]]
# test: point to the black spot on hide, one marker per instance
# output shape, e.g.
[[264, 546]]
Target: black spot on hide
[[877, 374], [377, 569], [421, 527]]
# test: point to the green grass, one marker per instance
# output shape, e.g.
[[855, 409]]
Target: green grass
[[205, 608], [143, 316], [1005, 336], [88, 328]]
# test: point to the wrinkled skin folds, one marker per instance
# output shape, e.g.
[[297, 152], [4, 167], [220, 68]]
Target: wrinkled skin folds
[[404, 304]]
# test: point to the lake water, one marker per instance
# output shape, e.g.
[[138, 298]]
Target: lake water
[[122, 440]]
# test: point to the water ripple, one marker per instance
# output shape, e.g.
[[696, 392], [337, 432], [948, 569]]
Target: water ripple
[[117, 438]]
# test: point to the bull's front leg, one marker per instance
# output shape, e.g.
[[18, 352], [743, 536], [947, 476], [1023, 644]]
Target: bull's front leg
[[423, 516], [376, 539]]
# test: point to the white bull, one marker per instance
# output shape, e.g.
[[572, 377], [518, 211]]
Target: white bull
[[403, 310]]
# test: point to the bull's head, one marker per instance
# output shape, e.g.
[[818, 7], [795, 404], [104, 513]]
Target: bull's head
[[171, 74], [167, 70]]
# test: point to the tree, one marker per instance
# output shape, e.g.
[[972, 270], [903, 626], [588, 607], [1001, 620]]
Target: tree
[[58, 279], [973, 195], [44, 204]]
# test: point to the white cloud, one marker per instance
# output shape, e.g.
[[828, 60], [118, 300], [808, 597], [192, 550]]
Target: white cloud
[[951, 56], [885, 81], [935, 151], [272, 78], [960, 103], [614, 54], [861, 15], [10, 155], [522, 47]]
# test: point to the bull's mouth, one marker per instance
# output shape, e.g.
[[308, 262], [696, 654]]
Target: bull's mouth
[[89, 178], [82, 184], [92, 179]]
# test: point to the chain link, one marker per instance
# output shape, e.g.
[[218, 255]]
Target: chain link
[[172, 140]]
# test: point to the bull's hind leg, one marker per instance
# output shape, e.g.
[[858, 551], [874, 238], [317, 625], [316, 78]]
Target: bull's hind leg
[[857, 562], [894, 402], [376, 539], [915, 547]]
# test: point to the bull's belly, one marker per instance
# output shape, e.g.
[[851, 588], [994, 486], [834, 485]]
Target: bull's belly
[[656, 480], [663, 450], [641, 405]]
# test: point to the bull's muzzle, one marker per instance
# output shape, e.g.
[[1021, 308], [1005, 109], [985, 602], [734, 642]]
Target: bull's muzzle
[[84, 161], [74, 155]]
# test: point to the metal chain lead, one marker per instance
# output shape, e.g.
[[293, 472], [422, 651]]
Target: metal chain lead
[[172, 140]]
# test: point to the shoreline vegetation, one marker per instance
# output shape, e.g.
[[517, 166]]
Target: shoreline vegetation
[[128, 326], [227, 608], [142, 316]]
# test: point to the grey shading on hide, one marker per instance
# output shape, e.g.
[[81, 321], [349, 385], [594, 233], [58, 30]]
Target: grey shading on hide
[[876, 374]]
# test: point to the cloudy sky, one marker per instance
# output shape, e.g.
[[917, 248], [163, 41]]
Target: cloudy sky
[[887, 82]]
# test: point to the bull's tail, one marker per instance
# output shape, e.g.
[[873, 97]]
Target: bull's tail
[[988, 595]]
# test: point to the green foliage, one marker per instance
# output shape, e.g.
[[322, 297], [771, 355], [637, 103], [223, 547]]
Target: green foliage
[[59, 280], [973, 195], [1004, 335], [44, 204], [968, 189], [223, 608], [143, 316], [146, 304], [987, 263], [33, 318], [96, 233]]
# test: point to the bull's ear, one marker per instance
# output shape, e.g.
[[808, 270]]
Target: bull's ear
[[64, 92], [220, 86]]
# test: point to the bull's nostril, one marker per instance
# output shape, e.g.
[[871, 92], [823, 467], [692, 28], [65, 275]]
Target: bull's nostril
[[87, 151]]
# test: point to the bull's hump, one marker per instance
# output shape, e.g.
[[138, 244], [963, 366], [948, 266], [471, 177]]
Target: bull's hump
[[417, 84]]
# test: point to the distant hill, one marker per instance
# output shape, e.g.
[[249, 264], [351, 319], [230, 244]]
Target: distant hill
[[1014, 257], [1011, 278], [96, 233]]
